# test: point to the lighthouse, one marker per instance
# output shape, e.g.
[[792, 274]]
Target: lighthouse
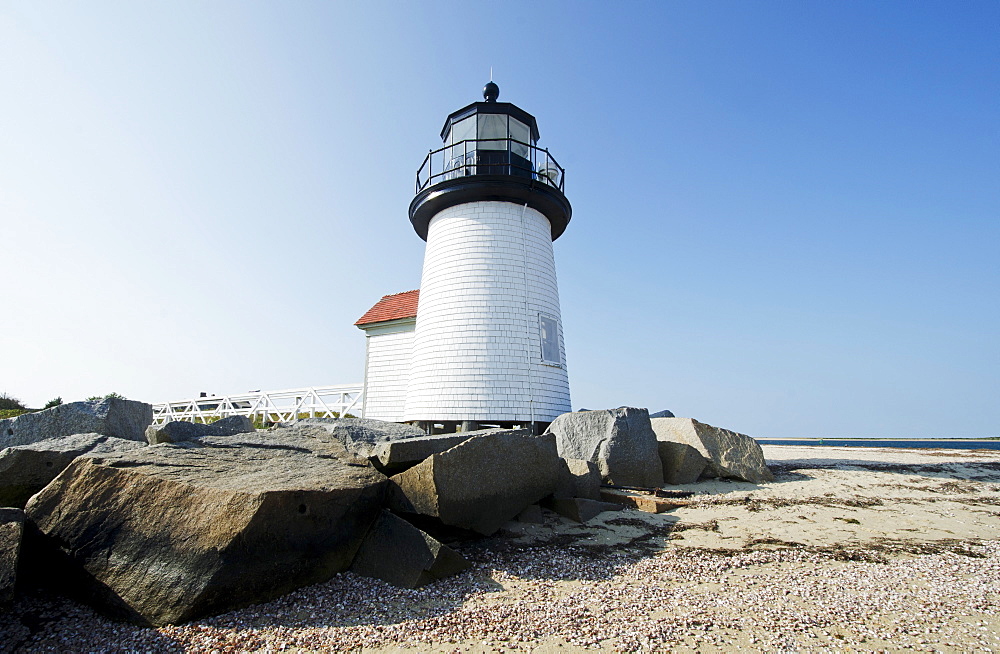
[[487, 345]]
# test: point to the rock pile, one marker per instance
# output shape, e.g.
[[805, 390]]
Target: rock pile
[[208, 518], [27, 469], [397, 552], [725, 453], [11, 529], [620, 441], [480, 483], [176, 431], [631, 449], [363, 436], [173, 532], [126, 419]]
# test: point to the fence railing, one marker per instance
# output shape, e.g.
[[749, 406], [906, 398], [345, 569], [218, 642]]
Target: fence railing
[[505, 156], [267, 406]]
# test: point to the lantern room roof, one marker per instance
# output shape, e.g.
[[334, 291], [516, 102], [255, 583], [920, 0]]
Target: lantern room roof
[[492, 108]]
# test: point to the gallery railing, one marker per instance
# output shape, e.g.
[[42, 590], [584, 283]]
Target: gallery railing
[[490, 157]]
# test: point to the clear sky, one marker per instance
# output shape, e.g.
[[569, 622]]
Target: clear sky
[[786, 214]]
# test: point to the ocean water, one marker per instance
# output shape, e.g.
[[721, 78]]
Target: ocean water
[[946, 443]]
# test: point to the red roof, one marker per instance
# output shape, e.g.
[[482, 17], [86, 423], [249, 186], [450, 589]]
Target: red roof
[[392, 307]]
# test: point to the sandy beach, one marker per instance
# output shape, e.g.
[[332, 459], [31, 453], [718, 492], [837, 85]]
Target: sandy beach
[[850, 549]]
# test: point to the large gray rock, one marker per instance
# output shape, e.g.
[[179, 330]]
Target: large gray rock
[[579, 509], [362, 436], [397, 552], [27, 469], [481, 483], [531, 514], [620, 441], [126, 419], [579, 478], [11, 531], [172, 532], [398, 455], [728, 454], [181, 430], [662, 414], [682, 463]]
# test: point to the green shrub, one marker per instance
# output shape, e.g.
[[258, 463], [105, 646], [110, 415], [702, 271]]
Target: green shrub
[[54, 402], [10, 403], [109, 396], [12, 413]]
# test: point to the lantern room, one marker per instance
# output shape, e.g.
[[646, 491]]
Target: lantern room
[[490, 151]]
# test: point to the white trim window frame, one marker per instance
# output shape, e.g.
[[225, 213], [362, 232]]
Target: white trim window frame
[[548, 340]]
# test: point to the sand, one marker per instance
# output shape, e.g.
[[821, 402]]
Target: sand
[[850, 549], [825, 497]]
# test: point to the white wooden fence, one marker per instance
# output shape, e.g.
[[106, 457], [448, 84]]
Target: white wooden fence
[[267, 406]]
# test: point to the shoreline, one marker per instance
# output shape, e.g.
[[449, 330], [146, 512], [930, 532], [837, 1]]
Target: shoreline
[[894, 443], [876, 438], [851, 548]]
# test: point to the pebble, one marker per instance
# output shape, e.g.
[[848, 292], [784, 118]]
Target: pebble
[[679, 599]]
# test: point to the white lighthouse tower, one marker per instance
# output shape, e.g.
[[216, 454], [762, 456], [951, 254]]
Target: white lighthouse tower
[[488, 343]]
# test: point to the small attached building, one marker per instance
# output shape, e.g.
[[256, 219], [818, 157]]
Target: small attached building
[[389, 329]]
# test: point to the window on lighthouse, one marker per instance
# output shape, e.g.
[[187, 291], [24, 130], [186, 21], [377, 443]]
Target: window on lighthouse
[[549, 336]]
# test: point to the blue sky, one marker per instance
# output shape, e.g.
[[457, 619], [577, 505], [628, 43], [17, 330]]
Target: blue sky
[[786, 214]]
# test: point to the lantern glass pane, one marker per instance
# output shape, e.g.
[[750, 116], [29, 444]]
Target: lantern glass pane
[[519, 132], [493, 126]]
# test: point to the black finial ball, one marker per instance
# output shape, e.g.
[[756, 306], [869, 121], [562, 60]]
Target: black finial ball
[[491, 92]]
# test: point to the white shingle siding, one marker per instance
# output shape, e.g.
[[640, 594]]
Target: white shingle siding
[[489, 271], [387, 370]]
